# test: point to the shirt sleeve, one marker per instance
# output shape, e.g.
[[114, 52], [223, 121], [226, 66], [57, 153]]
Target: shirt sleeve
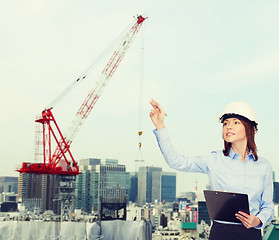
[[177, 161], [266, 212]]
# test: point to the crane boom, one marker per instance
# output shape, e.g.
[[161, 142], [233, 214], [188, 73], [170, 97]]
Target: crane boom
[[97, 90], [68, 165]]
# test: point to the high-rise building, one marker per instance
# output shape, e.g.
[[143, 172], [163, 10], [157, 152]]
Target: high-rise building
[[203, 213], [145, 183], [163, 186], [114, 181], [85, 163], [87, 185], [9, 184], [133, 191], [39, 191], [100, 178]]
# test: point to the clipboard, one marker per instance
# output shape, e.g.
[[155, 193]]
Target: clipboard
[[224, 205]]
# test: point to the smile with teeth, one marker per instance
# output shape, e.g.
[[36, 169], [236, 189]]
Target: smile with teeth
[[229, 134]]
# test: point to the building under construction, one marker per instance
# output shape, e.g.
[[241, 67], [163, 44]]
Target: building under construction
[[39, 191]]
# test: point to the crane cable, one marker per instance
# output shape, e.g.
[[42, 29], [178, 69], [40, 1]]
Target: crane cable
[[141, 85], [89, 69]]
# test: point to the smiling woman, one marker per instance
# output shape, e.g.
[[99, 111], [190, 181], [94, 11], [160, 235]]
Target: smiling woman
[[239, 123], [235, 169], [235, 136]]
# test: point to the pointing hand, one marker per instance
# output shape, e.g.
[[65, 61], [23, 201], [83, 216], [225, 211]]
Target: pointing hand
[[157, 115]]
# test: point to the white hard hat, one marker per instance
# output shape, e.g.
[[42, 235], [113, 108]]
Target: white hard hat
[[239, 109]]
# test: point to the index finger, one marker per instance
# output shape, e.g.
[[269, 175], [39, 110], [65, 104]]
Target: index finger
[[155, 104]]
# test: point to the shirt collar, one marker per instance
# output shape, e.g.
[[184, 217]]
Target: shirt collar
[[234, 155]]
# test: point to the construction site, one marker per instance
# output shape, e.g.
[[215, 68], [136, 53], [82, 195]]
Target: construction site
[[79, 149], [48, 183]]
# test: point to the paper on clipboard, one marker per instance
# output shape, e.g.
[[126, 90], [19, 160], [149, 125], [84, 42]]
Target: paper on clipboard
[[223, 206]]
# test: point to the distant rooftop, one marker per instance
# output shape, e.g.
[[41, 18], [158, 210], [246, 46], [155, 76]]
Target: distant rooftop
[[8, 179]]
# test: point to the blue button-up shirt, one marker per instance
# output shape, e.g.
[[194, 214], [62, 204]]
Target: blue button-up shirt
[[228, 173]]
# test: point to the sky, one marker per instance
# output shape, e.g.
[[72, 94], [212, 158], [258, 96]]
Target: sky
[[193, 57]]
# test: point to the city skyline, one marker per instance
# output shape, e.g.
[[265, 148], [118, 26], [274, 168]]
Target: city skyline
[[198, 56]]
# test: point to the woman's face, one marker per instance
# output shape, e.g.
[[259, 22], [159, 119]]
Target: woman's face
[[234, 131]]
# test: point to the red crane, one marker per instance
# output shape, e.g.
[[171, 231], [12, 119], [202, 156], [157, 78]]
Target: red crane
[[61, 161]]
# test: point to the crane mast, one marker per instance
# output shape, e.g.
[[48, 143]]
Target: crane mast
[[61, 161]]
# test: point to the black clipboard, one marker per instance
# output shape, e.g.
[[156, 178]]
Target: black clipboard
[[224, 205]]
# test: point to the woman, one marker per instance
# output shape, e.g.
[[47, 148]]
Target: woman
[[236, 169]]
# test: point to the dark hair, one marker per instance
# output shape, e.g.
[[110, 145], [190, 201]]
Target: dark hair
[[250, 135]]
